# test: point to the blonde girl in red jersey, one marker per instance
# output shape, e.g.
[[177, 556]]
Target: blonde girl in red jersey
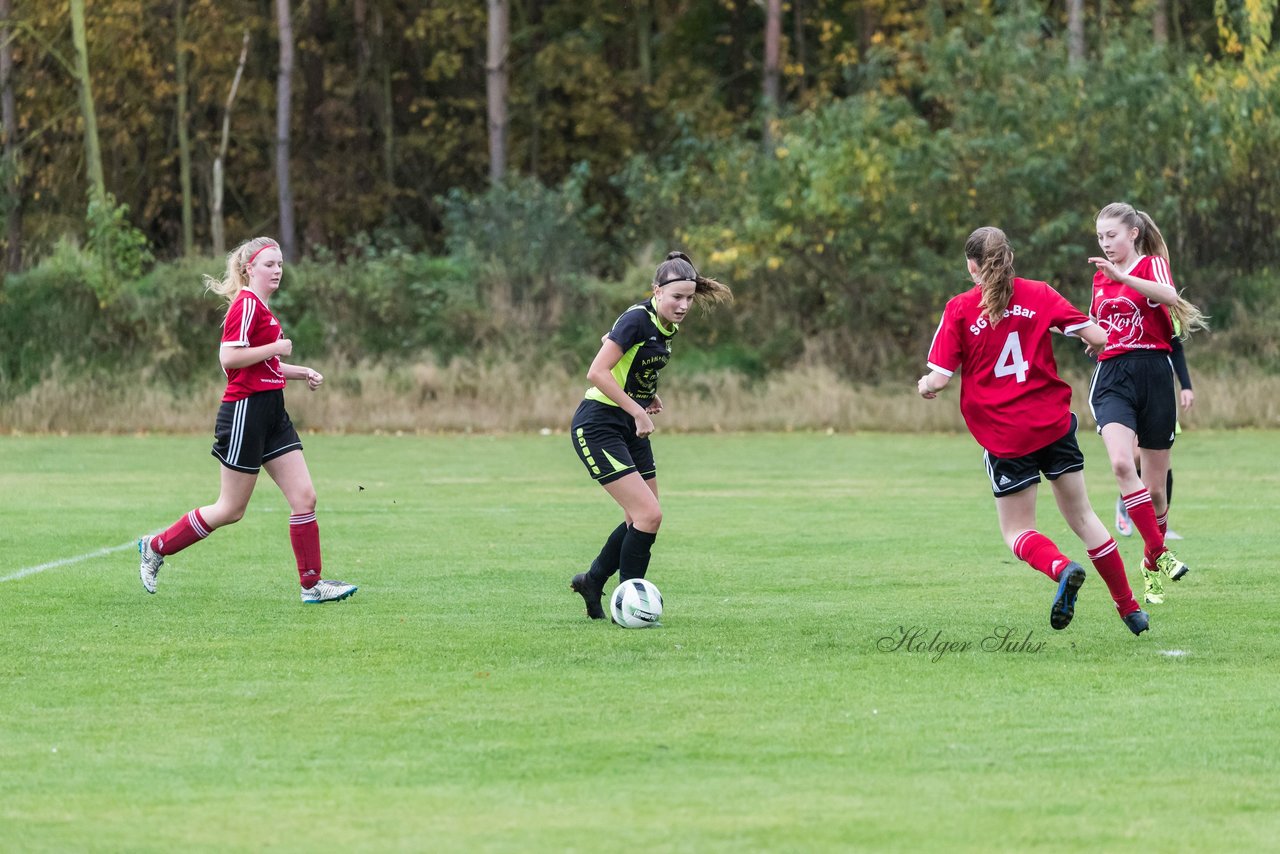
[[1135, 301], [253, 431], [1019, 410]]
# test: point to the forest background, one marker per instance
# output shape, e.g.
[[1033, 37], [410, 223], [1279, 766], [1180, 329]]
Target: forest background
[[469, 193]]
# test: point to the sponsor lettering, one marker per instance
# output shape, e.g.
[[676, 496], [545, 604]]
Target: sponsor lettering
[[1012, 311]]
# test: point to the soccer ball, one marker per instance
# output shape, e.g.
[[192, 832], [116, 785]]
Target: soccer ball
[[635, 604]]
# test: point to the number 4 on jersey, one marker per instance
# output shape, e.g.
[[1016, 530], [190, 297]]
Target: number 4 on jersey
[[1011, 361]]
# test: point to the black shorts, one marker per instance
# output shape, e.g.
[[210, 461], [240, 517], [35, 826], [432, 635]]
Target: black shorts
[[1136, 390], [1018, 473], [252, 431], [605, 439]]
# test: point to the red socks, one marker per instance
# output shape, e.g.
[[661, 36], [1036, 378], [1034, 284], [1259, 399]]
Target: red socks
[[304, 534], [1039, 551], [189, 529], [1106, 559], [1143, 514]]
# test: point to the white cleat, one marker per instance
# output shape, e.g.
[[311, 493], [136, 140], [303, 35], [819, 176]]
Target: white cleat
[[152, 560], [327, 591]]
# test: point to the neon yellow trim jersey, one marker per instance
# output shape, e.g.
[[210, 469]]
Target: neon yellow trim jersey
[[646, 349]]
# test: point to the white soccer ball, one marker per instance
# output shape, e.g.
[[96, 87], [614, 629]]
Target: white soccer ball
[[635, 604]]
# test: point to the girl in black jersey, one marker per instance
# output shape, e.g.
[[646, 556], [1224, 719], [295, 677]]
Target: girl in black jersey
[[611, 428]]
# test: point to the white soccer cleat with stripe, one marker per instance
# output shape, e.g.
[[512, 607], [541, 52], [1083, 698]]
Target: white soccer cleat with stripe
[[327, 591], [152, 560]]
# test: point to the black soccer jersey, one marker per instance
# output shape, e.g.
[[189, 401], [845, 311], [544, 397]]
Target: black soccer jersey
[[646, 349]]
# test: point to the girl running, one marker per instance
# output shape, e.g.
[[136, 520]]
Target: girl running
[[1019, 410], [611, 428], [1186, 399], [253, 430], [1135, 302]]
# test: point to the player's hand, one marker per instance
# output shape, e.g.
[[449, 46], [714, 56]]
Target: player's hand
[[655, 406], [923, 387], [1111, 271], [284, 347], [314, 379], [1090, 351], [644, 425], [1188, 398]]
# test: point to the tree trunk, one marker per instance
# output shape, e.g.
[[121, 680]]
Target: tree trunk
[[364, 53], [1160, 22], [496, 74], [284, 93], [644, 46], [9, 171], [312, 62], [388, 109], [1075, 32], [184, 137], [217, 228], [772, 47], [797, 47], [92, 151]]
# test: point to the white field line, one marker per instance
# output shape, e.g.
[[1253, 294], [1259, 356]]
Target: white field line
[[67, 561]]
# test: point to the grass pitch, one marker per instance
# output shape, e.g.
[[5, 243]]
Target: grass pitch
[[462, 702]]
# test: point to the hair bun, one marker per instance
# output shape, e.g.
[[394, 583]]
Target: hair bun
[[672, 256]]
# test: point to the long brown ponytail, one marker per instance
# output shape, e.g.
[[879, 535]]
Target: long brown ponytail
[[989, 248]]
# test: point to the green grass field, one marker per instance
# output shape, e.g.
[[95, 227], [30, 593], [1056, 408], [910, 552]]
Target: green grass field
[[462, 702]]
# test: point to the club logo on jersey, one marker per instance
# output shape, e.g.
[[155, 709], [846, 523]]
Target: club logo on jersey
[[1119, 316]]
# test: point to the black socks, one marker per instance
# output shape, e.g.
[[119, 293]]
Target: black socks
[[634, 562], [607, 562]]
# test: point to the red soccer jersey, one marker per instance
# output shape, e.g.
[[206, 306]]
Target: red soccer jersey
[[1131, 321], [1011, 396], [250, 323]]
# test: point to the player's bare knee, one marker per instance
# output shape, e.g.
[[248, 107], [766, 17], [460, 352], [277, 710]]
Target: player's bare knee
[[303, 503], [649, 520], [1123, 469]]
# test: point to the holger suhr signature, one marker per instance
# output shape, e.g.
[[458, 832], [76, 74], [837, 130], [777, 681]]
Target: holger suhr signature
[[921, 639]]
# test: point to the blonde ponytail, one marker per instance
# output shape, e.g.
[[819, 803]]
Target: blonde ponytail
[[237, 275]]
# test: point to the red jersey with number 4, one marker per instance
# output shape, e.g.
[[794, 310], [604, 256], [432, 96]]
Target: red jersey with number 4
[[1011, 396], [1131, 321], [250, 323]]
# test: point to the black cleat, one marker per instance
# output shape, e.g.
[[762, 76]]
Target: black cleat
[[590, 593], [1064, 602], [1137, 621]]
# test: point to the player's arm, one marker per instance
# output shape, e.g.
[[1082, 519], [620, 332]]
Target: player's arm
[[236, 356], [1093, 335], [302, 372], [945, 350], [600, 375], [1178, 357], [1158, 292], [932, 383]]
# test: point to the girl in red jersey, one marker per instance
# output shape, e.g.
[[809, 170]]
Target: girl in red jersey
[[1135, 302], [1019, 410], [253, 430]]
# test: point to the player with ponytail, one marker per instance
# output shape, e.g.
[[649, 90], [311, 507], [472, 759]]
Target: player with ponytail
[[611, 428], [1137, 304], [997, 334], [253, 430]]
